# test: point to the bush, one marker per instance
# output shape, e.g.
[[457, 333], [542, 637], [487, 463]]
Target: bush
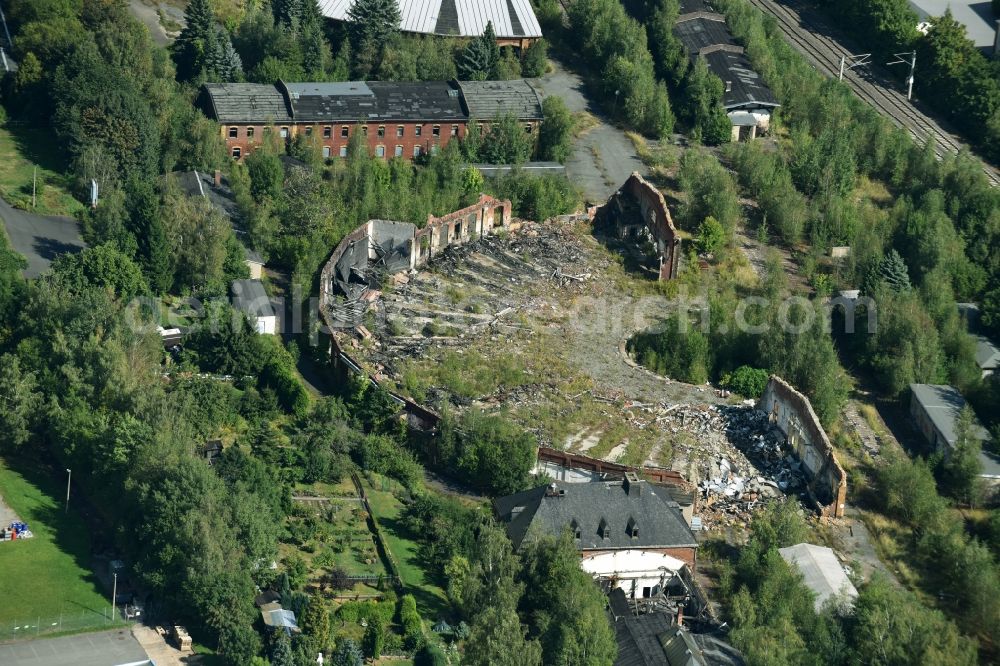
[[409, 618], [430, 655], [747, 381], [535, 59]]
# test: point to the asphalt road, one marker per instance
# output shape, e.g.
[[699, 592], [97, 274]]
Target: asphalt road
[[603, 158], [108, 648], [39, 238]]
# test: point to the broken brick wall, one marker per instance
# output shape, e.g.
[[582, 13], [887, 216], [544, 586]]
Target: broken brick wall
[[653, 215], [793, 414], [459, 227]]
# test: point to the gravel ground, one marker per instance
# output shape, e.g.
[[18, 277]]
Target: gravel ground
[[7, 515]]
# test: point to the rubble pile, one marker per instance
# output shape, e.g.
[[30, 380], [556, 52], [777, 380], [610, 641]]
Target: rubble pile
[[738, 459]]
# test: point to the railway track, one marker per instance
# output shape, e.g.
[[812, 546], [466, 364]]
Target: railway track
[[809, 36]]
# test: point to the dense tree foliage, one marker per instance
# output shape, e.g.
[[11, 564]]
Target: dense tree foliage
[[615, 45], [953, 76], [774, 621]]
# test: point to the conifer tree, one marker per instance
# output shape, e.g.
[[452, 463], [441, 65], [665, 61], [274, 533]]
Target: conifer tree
[[189, 49], [480, 60]]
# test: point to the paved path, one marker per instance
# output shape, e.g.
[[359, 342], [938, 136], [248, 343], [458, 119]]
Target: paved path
[[40, 238], [159, 650], [107, 648], [603, 157]]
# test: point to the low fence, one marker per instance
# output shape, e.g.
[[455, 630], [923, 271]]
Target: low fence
[[32, 627]]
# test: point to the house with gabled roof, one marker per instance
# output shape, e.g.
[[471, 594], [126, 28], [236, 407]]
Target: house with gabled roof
[[630, 533]]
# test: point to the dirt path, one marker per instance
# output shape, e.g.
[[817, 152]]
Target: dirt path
[[7, 515]]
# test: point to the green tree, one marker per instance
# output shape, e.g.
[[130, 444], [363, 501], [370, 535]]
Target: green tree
[[266, 174], [374, 640], [535, 61], [747, 381], [962, 467], [556, 133], [567, 608], [190, 47], [480, 61], [702, 104], [499, 639], [711, 236], [347, 654], [316, 620], [102, 266], [197, 234], [505, 142], [281, 653], [373, 24], [19, 403]]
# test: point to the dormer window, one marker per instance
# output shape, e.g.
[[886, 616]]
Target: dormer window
[[574, 525], [632, 528], [603, 529]]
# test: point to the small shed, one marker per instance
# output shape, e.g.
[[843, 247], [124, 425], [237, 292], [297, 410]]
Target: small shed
[[255, 263], [212, 450], [250, 298], [277, 618]]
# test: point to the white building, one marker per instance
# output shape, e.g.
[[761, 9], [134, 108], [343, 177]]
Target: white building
[[250, 299]]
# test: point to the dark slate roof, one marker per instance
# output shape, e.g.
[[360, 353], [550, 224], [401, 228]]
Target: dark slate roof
[[638, 639], [372, 101], [699, 33], [746, 88], [658, 519], [250, 298], [375, 101], [485, 99], [246, 102]]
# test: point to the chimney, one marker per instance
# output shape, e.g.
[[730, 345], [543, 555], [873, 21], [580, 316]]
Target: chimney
[[218, 178], [632, 484], [680, 615]]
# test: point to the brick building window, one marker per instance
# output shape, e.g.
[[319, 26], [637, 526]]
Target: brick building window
[[234, 132], [528, 128], [399, 151], [436, 130], [326, 151], [381, 131], [418, 130], [379, 151], [309, 130], [344, 131], [237, 153], [454, 130], [364, 130], [249, 132], [284, 132], [327, 132], [416, 151], [267, 130], [343, 151], [399, 130]]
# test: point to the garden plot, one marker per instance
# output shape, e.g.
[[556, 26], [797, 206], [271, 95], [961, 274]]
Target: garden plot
[[329, 531]]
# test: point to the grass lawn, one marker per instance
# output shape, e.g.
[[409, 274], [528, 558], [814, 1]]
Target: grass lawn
[[431, 600], [48, 575], [21, 150]]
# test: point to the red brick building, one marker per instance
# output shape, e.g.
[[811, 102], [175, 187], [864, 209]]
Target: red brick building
[[397, 119]]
